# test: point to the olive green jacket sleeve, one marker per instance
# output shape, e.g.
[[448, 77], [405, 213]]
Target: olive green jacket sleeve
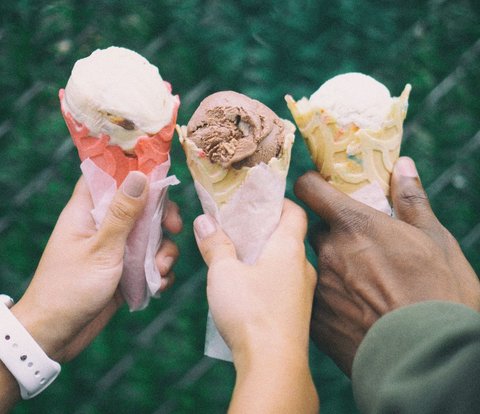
[[423, 358]]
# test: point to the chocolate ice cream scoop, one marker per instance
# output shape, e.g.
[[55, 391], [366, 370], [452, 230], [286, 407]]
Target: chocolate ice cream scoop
[[234, 130]]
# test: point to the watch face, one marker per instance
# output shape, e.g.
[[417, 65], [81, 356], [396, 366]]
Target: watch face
[[6, 300]]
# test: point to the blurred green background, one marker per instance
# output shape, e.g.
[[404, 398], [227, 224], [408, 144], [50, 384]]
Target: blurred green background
[[152, 362]]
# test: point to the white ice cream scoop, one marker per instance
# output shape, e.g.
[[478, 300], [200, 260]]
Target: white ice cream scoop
[[354, 98], [117, 92]]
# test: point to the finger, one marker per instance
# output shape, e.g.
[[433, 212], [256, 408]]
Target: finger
[[410, 201], [329, 203], [287, 239], [213, 243], [172, 221], [81, 192], [77, 211], [166, 256], [293, 222], [127, 205]]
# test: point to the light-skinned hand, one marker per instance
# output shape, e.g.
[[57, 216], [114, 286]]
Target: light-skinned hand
[[74, 292], [263, 313], [370, 264]]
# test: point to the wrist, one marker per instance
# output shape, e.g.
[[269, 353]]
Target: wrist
[[274, 378], [259, 354], [43, 329], [23, 357]]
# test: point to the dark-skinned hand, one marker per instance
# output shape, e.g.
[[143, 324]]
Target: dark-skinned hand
[[370, 264]]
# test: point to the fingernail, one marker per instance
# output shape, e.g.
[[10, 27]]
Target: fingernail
[[406, 167], [204, 226], [134, 184]]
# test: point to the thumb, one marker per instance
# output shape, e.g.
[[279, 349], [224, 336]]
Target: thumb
[[123, 212], [409, 199], [213, 243]]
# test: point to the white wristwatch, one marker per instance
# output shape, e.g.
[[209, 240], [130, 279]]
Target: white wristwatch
[[22, 356]]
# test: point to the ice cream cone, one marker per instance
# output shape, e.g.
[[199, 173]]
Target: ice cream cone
[[246, 202], [149, 151], [121, 116], [351, 157]]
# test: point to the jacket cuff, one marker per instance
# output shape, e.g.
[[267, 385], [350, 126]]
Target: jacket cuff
[[402, 352]]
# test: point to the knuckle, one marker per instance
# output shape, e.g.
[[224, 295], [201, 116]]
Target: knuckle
[[169, 247], [103, 258], [171, 210], [296, 248], [302, 181], [300, 212], [413, 196], [326, 256], [175, 250], [217, 248], [122, 212], [354, 222], [423, 250], [447, 238]]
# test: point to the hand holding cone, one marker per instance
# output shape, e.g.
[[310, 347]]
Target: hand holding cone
[[245, 196]]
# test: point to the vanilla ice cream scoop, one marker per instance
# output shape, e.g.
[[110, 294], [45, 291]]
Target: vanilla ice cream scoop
[[117, 92], [354, 98]]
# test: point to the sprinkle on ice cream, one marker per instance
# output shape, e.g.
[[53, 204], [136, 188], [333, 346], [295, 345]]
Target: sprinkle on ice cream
[[354, 98]]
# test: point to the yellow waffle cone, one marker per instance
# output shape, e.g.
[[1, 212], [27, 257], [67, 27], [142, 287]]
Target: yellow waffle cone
[[350, 158], [222, 183]]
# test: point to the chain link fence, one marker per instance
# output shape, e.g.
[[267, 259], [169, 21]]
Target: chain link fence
[[152, 361]]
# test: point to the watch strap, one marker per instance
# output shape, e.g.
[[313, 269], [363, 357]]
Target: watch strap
[[23, 357]]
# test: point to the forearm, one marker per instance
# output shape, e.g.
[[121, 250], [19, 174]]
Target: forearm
[[275, 383]]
